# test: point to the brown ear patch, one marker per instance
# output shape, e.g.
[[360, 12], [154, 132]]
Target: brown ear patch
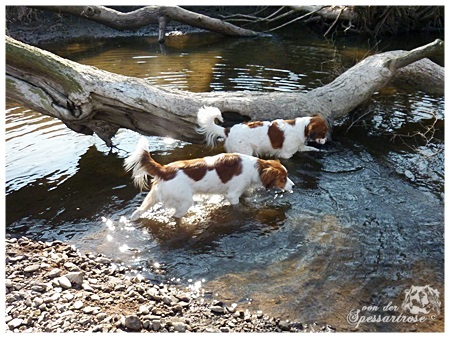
[[316, 128], [271, 173], [276, 135]]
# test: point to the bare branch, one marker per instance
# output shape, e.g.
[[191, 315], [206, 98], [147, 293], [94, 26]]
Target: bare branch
[[151, 15], [297, 19]]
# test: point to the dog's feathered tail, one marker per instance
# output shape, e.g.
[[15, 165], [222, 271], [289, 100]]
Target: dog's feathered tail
[[205, 119], [142, 165]]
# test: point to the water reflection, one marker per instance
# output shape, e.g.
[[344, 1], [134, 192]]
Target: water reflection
[[365, 220]]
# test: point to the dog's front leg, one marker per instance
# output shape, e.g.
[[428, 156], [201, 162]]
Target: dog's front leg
[[149, 201], [308, 148]]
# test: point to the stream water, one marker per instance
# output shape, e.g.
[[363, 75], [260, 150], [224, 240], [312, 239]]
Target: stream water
[[364, 223]]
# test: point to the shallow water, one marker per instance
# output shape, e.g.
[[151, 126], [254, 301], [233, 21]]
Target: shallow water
[[364, 223]]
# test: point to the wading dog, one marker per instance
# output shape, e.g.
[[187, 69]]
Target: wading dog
[[278, 138], [176, 183]]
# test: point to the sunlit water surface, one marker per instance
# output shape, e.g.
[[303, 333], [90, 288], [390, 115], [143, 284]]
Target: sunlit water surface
[[364, 223]]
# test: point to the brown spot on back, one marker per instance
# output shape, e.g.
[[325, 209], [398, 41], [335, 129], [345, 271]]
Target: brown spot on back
[[291, 122], [254, 124], [316, 128], [227, 166], [196, 169], [276, 135]]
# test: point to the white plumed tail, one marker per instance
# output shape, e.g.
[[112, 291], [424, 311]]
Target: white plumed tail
[[135, 162], [205, 119]]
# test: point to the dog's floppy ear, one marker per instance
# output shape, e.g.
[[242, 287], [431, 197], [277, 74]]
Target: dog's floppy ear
[[268, 177]]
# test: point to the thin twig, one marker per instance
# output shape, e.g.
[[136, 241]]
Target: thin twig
[[427, 136], [335, 21], [296, 19], [274, 13]]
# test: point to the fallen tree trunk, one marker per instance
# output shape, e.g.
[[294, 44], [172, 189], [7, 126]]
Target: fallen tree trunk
[[151, 15], [89, 100]]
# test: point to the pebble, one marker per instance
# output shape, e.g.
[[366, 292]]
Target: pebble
[[87, 287], [54, 273], [75, 277], [284, 325], [179, 326], [133, 323], [32, 268], [217, 309], [90, 299], [143, 309], [64, 282], [16, 322], [156, 325]]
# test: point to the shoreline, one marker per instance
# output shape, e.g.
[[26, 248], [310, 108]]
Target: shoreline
[[49, 27], [52, 287]]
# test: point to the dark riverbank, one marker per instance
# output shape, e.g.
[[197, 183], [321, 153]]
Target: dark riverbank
[[38, 27]]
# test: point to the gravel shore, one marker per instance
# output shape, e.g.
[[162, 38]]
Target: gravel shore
[[52, 287]]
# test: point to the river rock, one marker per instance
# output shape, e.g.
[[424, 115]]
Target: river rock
[[179, 326], [217, 309], [87, 287], [143, 309], [64, 282], [284, 325], [184, 297], [54, 273], [16, 322], [156, 325], [75, 277], [133, 323], [32, 268]]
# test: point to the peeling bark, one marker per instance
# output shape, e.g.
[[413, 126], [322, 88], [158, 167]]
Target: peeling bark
[[89, 100]]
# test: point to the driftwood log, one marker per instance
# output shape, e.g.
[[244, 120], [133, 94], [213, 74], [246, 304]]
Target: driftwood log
[[89, 100], [147, 15]]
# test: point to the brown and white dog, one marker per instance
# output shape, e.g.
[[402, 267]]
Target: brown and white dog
[[176, 183], [278, 138]]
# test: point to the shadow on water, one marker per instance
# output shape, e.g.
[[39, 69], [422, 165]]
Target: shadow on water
[[364, 223]]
